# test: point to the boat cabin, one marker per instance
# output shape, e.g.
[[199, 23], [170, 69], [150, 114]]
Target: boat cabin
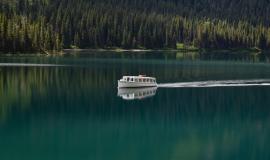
[[139, 79]]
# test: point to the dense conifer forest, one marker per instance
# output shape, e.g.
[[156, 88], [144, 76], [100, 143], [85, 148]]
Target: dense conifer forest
[[51, 25]]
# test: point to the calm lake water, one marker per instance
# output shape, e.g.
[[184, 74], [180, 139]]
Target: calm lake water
[[69, 107]]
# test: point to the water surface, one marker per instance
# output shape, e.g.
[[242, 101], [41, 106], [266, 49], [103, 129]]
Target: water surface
[[68, 107]]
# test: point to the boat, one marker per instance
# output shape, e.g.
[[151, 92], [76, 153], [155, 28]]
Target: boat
[[137, 82], [136, 93]]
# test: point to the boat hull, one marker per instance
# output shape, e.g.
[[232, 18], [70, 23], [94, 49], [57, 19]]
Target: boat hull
[[123, 84]]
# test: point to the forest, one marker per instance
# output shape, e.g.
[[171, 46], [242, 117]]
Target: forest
[[53, 25]]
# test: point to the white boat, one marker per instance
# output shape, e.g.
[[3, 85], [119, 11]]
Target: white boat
[[137, 82], [136, 93]]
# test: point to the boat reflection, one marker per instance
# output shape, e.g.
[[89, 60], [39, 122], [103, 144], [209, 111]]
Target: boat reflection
[[136, 93]]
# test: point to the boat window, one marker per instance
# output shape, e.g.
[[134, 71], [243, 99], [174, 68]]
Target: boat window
[[136, 80], [131, 79], [140, 80], [127, 79]]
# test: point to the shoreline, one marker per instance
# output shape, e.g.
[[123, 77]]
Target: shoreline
[[232, 50], [130, 50], [120, 50]]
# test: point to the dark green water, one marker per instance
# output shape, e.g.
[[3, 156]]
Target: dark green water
[[70, 109]]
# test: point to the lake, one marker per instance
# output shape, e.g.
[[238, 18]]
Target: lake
[[68, 107]]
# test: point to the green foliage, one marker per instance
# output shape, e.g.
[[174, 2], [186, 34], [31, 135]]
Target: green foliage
[[182, 46], [42, 25]]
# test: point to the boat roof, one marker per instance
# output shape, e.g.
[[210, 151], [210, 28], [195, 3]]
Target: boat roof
[[139, 76]]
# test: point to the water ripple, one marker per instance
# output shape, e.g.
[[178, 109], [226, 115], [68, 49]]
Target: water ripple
[[29, 65]]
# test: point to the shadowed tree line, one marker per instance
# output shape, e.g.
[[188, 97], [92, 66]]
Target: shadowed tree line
[[44, 25]]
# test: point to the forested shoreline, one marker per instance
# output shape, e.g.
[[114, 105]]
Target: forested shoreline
[[51, 25]]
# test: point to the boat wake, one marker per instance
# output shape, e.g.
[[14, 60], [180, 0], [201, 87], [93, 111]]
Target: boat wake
[[223, 83]]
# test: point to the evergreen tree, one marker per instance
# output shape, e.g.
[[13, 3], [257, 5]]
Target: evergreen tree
[[50, 25]]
